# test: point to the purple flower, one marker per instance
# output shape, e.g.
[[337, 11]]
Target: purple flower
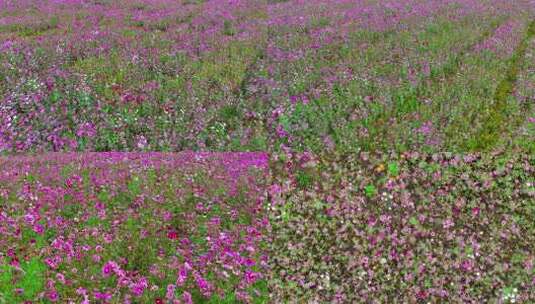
[[29, 218], [38, 228], [467, 265], [186, 296], [281, 132], [182, 276], [52, 295], [170, 295], [86, 129], [142, 142], [204, 286], [139, 287], [448, 223], [107, 269], [251, 277], [102, 296]]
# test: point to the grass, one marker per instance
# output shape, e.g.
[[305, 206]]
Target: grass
[[493, 127], [365, 88]]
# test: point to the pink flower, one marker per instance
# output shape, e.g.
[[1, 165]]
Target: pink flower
[[167, 216], [29, 218], [52, 295], [96, 258], [100, 206], [61, 278], [182, 276], [139, 287], [170, 295], [204, 286], [107, 269], [86, 129], [422, 294], [172, 235], [81, 291], [467, 265], [103, 296], [38, 228], [249, 262], [186, 296], [447, 224], [52, 262], [281, 132], [142, 142], [251, 277]]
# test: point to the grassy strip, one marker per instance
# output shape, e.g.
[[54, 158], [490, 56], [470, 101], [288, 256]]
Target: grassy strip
[[489, 134], [407, 101]]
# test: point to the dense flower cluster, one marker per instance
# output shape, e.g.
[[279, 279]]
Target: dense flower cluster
[[78, 228], [319, 86], [404, 228], [165, 75]]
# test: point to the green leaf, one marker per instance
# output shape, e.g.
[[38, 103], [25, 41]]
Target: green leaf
[[370, 190], [393, 169]]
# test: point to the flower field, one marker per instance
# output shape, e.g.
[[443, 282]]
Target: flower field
[[408, 228], [133, 228], [258, 75], [267, 151]]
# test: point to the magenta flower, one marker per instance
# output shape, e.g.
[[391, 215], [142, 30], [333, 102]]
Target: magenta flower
[[170, 295], [103, 296], [52, 262], [38, 228], [52, 295], [61, 278], [467, 265], [281, 132], [29, 218], [139, 287], [182, 276], [107, 269], [251, 277], [81, 291], [186, 296], [142, 142], [172, 235], [204, 286], [448, 223], [86, 130]]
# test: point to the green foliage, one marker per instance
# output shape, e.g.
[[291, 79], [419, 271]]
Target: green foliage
[[228, 28], [370, 190], [393, 169], [304, 180], [134, 186], [31, 280], [6, 291], [70, 211]]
